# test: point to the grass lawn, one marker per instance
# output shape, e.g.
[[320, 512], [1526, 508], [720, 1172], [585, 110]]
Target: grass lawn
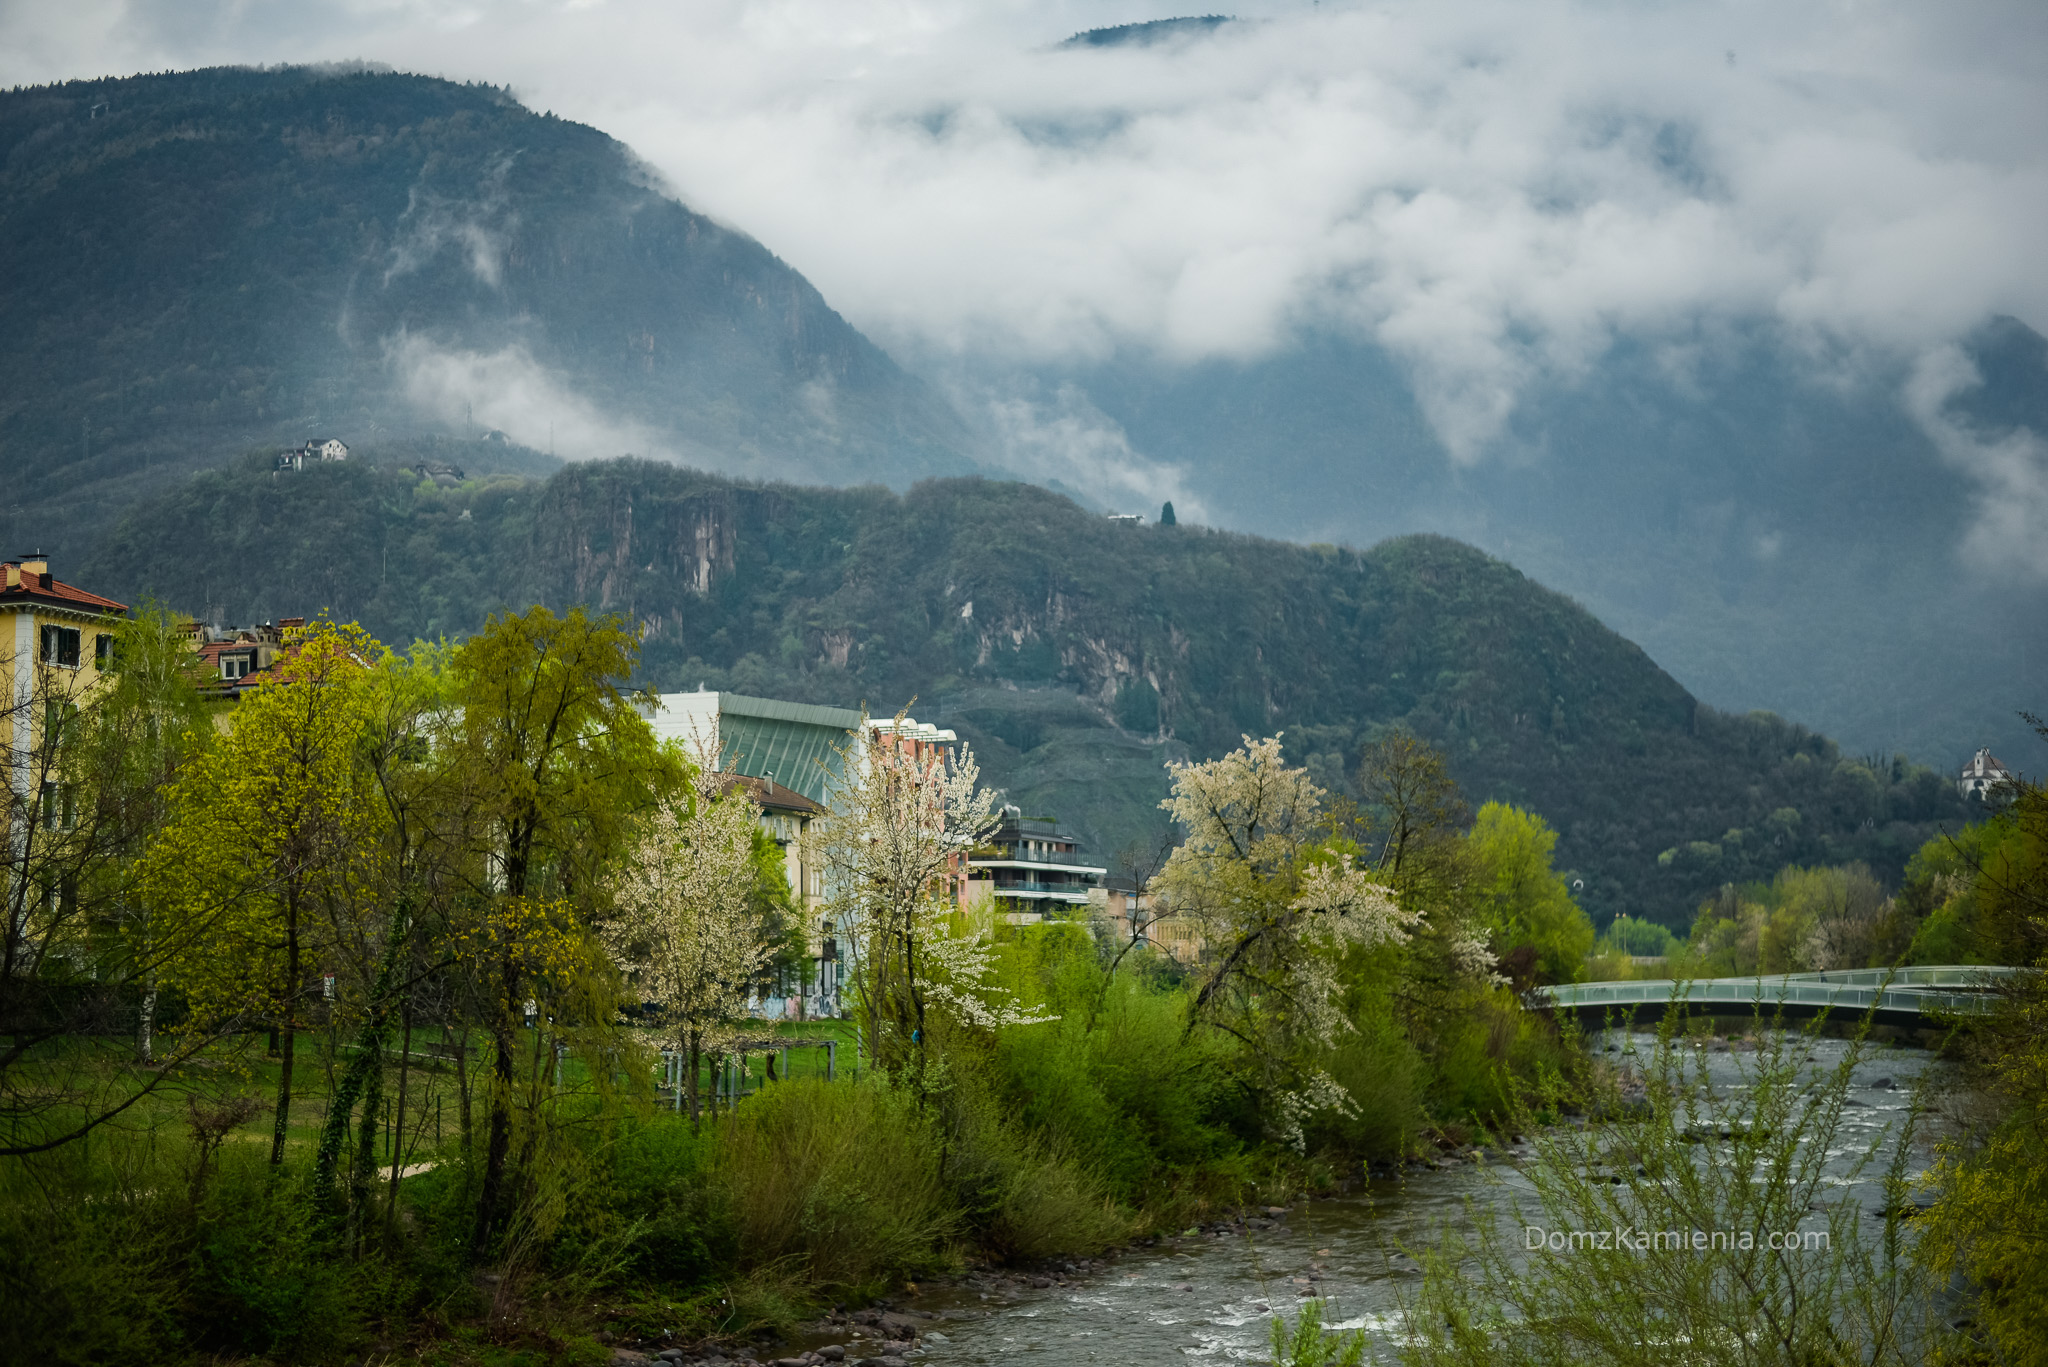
[[105, 1066]]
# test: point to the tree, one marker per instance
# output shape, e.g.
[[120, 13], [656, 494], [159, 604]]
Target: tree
[[1279, 899], [274, 835], [1989, 1224], [553, 764], [79, 935], [894, 850], [1166, 514], [1412, 808], [1525, 906], [687, 929], [148, 724], [1412, 817], [404, 750]]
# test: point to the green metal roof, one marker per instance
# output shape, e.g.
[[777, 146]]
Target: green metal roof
[[799, 745]]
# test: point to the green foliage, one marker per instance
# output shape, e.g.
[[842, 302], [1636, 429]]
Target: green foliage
[[1989, 1225], [261, 1280], [1526, 905], [1631, 935], [1804, 919], [1079, 630], [1691, 1163], [1110, 1080], [842, 1179], [1311, 1345]]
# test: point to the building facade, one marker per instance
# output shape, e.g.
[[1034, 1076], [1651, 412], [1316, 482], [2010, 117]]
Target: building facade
[[232, 656], [56, 640], [789, 757], [792, 758], [1032, 871]]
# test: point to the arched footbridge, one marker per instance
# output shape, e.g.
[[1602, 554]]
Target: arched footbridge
[[1902, 996]]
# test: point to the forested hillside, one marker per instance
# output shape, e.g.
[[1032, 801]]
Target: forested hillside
[[200, 261], [1077, 654]]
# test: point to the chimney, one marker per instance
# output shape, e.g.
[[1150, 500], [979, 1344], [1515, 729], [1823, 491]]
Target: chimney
[[13, 575], [35, 562]]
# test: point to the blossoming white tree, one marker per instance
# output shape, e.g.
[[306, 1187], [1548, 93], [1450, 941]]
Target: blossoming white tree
[[895, 852], [1278, 901], [687, 932]]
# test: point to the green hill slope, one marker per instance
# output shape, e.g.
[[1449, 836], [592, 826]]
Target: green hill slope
[[205, 261], [1077, 654]]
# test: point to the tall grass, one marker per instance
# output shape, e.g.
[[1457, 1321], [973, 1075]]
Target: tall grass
[[841, 1180], [1701, 1180]]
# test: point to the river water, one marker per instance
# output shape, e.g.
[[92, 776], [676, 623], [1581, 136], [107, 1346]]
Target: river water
[[1212, 1298]]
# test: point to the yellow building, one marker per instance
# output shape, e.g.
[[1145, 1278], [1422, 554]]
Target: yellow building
[[55, 638]]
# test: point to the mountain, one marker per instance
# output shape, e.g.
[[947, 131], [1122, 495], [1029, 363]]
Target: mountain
[[1149, 32], [1774, 539], [1077, 654], [202, 264], [211, 261]]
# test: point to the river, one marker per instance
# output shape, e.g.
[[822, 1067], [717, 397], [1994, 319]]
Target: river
[[1211, 1298]]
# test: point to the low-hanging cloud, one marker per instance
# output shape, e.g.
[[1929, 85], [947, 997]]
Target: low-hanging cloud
[[508, 390], [1493, 191], [2010, 468]]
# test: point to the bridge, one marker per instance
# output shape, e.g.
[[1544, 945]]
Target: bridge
[[1900, 996]]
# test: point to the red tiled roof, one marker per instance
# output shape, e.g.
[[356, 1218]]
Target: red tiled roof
[[47, 588]]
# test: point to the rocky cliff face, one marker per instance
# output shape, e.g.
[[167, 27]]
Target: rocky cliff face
[[1078, 655]]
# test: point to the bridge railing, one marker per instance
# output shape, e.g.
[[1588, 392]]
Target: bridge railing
[[1961, 989]]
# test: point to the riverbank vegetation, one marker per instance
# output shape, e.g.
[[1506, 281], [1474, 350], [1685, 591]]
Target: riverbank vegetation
[[338, 1015], [1947, 1269], [1713, 1215], [1826, 917]]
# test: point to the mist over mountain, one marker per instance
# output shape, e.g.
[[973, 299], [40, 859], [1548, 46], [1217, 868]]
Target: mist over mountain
[[201, 262], [1774, 538], [1077, 654]]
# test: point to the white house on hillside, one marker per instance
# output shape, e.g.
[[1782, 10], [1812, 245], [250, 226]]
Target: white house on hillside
[[320, 448], [1983, 773]]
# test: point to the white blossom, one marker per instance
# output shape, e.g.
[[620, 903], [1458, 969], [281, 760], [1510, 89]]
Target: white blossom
[[1278, 906], [685, 932], [895, 850], [1473, 957]]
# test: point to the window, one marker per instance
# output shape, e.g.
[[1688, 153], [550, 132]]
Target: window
[[103, 649], [234, 666], [60, 725], [60, 804], [60, 646]]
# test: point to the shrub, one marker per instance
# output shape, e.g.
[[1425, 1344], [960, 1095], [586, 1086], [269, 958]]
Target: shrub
[[841, 1178]]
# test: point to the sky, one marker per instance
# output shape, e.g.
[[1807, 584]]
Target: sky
[[1490, 188], [1495, 193]]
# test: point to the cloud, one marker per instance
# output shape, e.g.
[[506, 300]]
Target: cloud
[[509, 391], [2009, 468], [1066, 438], [1493, 191], [479, 225]]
